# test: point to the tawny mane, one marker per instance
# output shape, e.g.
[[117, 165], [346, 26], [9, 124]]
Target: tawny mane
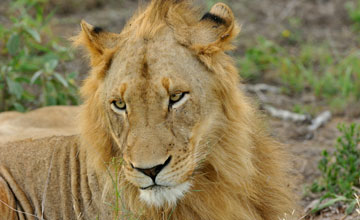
[[243, 176]]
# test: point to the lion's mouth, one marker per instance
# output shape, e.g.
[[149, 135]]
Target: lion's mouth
[[154, 186]]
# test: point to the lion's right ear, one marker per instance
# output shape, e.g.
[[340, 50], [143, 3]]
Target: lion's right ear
[[215, 31], [96, 41]]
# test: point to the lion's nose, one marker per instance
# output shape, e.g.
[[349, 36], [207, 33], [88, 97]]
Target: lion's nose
[[153, 171]]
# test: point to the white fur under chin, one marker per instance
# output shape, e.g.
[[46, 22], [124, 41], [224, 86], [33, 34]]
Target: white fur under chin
[[159, 196]]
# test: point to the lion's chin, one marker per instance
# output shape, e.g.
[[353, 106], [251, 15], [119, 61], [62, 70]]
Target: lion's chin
[[159, 196]]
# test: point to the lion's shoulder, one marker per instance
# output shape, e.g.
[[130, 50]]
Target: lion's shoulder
[[30, 156]]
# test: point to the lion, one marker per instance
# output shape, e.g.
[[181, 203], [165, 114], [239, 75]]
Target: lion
[[165, 132], [59, 120]]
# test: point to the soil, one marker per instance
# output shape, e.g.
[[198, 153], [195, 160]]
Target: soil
[[318, 21]]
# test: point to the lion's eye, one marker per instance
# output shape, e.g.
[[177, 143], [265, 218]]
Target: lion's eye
[[118, 105], [177, 99]]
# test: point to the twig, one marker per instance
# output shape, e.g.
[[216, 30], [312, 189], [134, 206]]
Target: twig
[[358, 203], [286, 115], [356, 189], [262, 88], [319, 120]]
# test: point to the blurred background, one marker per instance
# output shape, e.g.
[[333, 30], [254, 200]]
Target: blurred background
[[300, 59]]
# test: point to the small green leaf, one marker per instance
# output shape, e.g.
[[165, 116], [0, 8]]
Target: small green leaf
[[328, 203], [36, 76], [14, 88], [34, 34], [59, 48], [51, 65], [351, 207], [61, 79], [49, 17], [13, 44]]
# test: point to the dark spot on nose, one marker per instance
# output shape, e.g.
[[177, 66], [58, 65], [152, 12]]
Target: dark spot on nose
[[153, 171]]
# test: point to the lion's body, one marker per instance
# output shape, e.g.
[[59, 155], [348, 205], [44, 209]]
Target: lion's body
[[163, 99], [49, 179], [40, 123]]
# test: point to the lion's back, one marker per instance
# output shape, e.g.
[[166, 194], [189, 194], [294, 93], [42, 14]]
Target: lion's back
[[40, 123]]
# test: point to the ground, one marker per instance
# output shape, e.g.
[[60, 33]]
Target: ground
[[314, 21]]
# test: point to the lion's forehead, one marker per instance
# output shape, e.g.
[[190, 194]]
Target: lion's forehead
[[132, 52], [163, 55]]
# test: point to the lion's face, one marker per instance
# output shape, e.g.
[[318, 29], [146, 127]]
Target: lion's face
[[154, 93], [156, 100]]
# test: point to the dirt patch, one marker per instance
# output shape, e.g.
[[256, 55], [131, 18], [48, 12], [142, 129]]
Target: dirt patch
[[313, 20]]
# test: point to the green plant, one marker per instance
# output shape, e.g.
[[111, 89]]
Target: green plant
[[261, 58], [353, 8], [118, 204], [30, 60], [303, 109], [340, 171], [293, 34], [309, 67]]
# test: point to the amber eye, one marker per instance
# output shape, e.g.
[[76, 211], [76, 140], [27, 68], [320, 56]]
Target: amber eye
[[118, 105], [176, 97]]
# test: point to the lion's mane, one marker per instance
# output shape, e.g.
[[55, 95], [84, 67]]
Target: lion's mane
[[244, 176]]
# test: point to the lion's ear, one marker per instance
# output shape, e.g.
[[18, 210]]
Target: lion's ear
[[215, 31], [96, 41]]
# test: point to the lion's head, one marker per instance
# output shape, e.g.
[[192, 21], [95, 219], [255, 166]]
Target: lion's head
[[158, 99], [163, 95]]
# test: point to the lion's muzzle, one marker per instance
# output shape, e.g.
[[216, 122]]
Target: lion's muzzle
[[153, 171]]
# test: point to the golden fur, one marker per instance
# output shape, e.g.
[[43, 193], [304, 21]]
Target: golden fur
[[40, 123], [211, 153], [216, 139]]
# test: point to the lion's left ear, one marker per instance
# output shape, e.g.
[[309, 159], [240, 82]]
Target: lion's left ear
[[215, 31], [96, 41]]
